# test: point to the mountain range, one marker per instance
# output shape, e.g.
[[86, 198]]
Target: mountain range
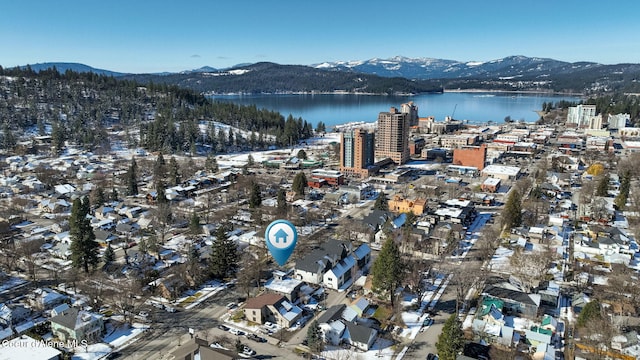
[[429, 68], [395, 75]]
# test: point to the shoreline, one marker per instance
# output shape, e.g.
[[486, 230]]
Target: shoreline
[[469, 91], [474, 91]]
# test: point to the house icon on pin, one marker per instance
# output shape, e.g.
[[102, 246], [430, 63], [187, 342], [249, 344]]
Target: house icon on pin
[[281, 235]]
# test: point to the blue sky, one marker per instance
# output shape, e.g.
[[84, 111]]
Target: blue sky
[[153, 36]]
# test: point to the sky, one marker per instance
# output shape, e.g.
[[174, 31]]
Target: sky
[[145, 36]]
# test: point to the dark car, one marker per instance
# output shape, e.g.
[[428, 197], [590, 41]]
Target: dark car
[[223, 328], [432, 356], [256, 338]]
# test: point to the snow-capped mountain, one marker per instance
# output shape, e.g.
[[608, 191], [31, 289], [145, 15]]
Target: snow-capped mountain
[[429, 68]]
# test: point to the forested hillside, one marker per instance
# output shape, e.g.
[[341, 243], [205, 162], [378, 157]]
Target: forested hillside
[[273, 78], [90, 110]]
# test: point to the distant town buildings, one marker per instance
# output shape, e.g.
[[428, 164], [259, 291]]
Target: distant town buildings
[[584, 116], [618, 121], [412, 112], [393, 136]]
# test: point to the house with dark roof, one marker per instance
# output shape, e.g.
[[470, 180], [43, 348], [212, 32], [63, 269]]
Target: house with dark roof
[[331, 326], [274, 308], [75, 324], [332, 264], [336, 329], [197, 348], [12, 314], [360, 336], [515, 302]]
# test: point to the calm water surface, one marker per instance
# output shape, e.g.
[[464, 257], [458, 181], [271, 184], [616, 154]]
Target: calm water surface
[[335, 109]]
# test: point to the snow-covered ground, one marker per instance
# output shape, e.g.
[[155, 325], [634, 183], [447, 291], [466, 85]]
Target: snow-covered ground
[[115, 339]]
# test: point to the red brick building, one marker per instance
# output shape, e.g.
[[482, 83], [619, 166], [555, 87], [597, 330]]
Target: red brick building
[[475, 156]]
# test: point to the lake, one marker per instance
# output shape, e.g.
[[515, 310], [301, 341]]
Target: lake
[[334, 109]]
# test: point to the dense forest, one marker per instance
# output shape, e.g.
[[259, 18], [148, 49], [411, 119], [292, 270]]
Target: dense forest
[[85, 109]]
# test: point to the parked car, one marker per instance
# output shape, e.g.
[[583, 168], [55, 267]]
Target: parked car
[[236, 332], [248, 351], [223, 328], [256, 338]]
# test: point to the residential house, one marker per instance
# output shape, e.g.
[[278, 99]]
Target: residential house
[[360, 336], [515, 302], [12, 314], [170, 287], [330, 325], [197, 348], [45, 298], [75, 324], [333, 264], [283, 285], [25, 347], [274, 308], [336, 329]]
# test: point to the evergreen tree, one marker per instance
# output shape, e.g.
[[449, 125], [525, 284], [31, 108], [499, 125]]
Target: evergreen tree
[[109, 255], [314, 338], [625, 185], [194, 254], [302, 154], [99, 197], [255, 199], [321, 127], [451, 339], [381, 202], [159, 168], [211, 164], [174, 172], [84, 248], [223, 259], [387, 269], [282, 202], [132, 178], [161, 195], [512, 212], [250, 160], [299, 183], [603, 185], [194, 224], [590, 311]]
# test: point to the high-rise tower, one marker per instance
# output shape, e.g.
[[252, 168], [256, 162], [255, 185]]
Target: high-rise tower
[[356, 152], [393, 136]]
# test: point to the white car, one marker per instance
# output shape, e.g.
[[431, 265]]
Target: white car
[[236, 332], [248, 351]]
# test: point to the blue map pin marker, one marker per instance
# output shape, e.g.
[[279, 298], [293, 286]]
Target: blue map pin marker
[[281, 237]]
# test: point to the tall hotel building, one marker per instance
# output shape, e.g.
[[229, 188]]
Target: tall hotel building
[[393, 136], [357, 152]]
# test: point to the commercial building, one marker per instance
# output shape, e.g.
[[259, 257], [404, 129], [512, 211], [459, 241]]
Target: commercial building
[[618, 121], [393, 136], [357, 152], [475, 156], [401, 205], [456, 141], [584, 116], [490, 185], [501, 172], [331, 177]]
